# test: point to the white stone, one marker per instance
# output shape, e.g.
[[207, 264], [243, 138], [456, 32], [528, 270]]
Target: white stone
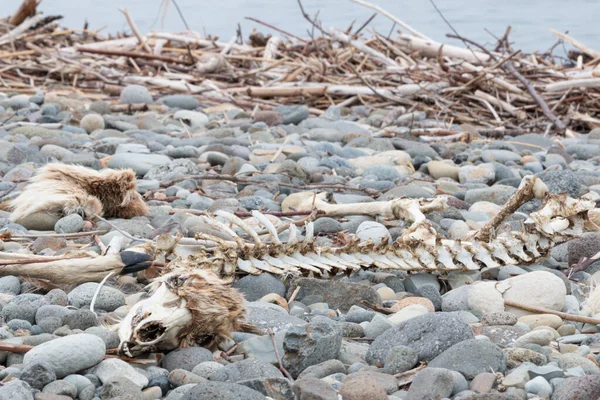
[[440, 169], [194, 118], [487, 207], [483, 296], [538, 289], [372, 230], [543, 337], [458, 230], [113, 368], [539, 386]]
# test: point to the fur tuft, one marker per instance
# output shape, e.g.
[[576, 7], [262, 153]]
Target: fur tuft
[[62, 189], [217, 308]]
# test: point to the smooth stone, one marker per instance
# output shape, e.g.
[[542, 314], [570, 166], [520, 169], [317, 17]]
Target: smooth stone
[[92, 122], [195, 119], [498, 318], [255, 287], [439, 169], [38, 374], [135, 94], [314, 389], [70, 224], [359, 388], [113, 368], [539, 386], [538, 289], [180, 101], [482, 173], [338, 295], [39, 221], [540, 337], [374, 231], [407, 313], [431, 383], [69, 354], [140, 163], [61, 388], [323, 369], [15, 389], [429, 335], [108, 299], [536, 320], [387, 382], [186, 358], [501, 156], [376, 326], [483, 382], [400, 359], [470, 357], [247, 369]]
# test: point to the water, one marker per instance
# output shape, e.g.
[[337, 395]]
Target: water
[[530, 19]]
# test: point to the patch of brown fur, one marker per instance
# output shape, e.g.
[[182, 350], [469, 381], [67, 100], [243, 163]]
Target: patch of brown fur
[[63, 189], [217, 308]]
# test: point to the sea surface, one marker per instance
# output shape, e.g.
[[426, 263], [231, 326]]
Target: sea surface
[[479, 20]]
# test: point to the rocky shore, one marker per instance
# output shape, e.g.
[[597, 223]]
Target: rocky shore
[[440, 336]]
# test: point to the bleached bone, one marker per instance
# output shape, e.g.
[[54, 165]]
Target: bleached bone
[[419, 248]]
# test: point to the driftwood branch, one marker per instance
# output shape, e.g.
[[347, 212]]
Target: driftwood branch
[[392, 18], [132, 54], [584, 49], [27, 9], [19, 30], [135, 30], [510, 68], [565, 316]]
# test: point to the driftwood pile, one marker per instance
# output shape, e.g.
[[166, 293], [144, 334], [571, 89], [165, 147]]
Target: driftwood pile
[[499, 91]]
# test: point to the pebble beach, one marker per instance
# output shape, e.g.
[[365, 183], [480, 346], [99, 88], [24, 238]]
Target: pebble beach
[[369, 335]]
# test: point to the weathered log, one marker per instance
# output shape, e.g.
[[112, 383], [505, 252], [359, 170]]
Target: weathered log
[[27, 9]]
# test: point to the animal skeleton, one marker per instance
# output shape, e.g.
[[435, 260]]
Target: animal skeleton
[[419, 248]]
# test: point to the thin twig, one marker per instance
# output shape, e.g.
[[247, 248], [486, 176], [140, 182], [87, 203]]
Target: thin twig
[[565, 316], [294, 294], [127, 235], [281, 367], [508, 66]]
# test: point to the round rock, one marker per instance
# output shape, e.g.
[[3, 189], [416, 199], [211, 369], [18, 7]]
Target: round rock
[[10, 285], [68, 354], [38, 374], [92, 122], [255, 287], [135, 94], [374, 231], [186, 358], [109, 299], [69, 224], [429, 335]]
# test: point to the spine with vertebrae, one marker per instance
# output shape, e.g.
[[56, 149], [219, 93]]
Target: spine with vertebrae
[[420, 248]]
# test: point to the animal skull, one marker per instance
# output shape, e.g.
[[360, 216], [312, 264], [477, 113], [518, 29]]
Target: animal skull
[[186, 308]]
